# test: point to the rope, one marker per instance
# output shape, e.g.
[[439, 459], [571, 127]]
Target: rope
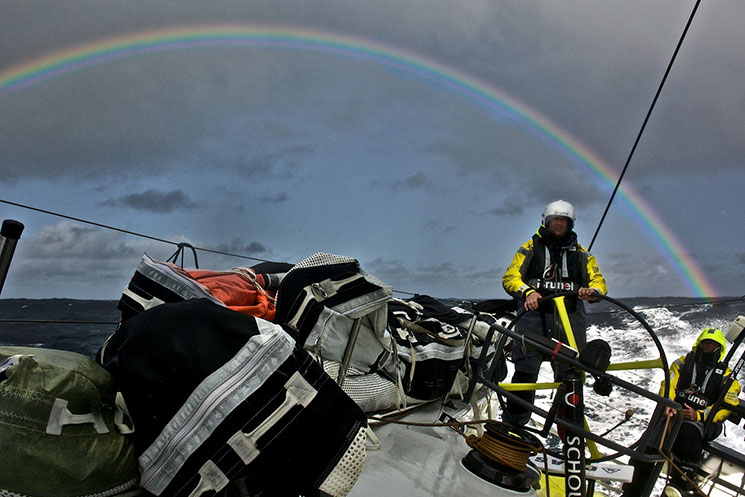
[[644, 124], [506, 445], [501, 442], [672, 464]]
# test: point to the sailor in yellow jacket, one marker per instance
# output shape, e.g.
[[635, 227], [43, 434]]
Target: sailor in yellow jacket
[[696, 381], [552, 261], [698, 372]]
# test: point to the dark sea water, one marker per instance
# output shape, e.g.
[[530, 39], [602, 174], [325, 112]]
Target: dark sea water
[[75, 336], [675, 320]]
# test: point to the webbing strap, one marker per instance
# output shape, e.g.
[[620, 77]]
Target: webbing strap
[[145, 303], [61, 416], [308, 299], [250, 275], [121, 411], [328, 288], [299, 392], [211, 478], [556, 350]]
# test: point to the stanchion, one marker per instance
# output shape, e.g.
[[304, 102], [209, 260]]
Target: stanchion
[[9, 236], [574, 443]]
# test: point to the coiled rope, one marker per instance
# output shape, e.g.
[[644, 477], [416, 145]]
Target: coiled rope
[[506, 445], [501, 442]]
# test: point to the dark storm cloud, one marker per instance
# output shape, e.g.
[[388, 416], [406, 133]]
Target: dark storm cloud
[[589, 68], [278, 198], [239, 247], [648, 268], [506, 210], [281, 163], [437, 226], [446, 280], [69, 259], [155, 201], [414, 182], [403, 276], [66, 238], [157, 109], [568, 76]]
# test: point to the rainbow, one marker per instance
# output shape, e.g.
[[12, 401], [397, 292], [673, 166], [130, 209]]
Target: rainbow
[[479, 93]]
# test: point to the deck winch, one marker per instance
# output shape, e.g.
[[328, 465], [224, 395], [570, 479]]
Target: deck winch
[[501, 456]]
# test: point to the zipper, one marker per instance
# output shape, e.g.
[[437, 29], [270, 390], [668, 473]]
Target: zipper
[[216, 396]]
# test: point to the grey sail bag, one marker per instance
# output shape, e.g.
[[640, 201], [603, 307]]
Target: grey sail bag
[[336, 309]]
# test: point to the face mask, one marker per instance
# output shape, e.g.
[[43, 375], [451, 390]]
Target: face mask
[[707, 359]]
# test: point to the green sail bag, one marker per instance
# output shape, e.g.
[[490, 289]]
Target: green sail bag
[[62, 427]]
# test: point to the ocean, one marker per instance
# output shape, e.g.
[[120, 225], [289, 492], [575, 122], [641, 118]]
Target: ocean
[[676, 321]]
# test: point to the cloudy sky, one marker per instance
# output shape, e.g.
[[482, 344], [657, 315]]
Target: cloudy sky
[[422, 138]]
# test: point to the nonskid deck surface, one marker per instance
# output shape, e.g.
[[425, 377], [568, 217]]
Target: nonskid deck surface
[[422, 461]]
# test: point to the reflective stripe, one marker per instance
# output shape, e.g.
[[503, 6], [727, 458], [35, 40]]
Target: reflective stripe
[[10, 361], [564, 267]]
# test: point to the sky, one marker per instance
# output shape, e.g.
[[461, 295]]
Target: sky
[[422, 138]]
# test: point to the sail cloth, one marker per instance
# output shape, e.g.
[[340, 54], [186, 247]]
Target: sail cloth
[[155, 282], [218, 396], [58, 406], [325, 299]]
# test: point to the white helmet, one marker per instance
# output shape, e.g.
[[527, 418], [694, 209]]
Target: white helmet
[[556, 209]]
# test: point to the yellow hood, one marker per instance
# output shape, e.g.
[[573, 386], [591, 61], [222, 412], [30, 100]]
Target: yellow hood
[[713, 334]]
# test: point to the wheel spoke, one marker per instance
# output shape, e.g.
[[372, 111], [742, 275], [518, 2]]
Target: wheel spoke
[[564, 317], [645, 364]]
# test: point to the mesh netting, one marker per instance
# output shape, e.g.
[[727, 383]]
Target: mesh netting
[[370, 391], [345, 473], [322, 259]]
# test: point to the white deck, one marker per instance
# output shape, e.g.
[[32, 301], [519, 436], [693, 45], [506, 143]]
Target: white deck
[[422, 462]]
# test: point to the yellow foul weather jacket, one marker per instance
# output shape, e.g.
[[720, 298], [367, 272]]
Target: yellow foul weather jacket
[[519, 283], [682, 374]]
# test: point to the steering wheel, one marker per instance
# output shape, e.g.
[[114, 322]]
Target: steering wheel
[[563, 318]]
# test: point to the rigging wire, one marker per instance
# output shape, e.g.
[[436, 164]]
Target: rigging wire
[[54, 321], [644, 124], [134, 233], [179, 245]]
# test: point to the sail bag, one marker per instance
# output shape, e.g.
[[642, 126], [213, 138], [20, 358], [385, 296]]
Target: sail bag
[[156, 282], [334, 307], [220, 398], [61, 427], [434, 344]]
